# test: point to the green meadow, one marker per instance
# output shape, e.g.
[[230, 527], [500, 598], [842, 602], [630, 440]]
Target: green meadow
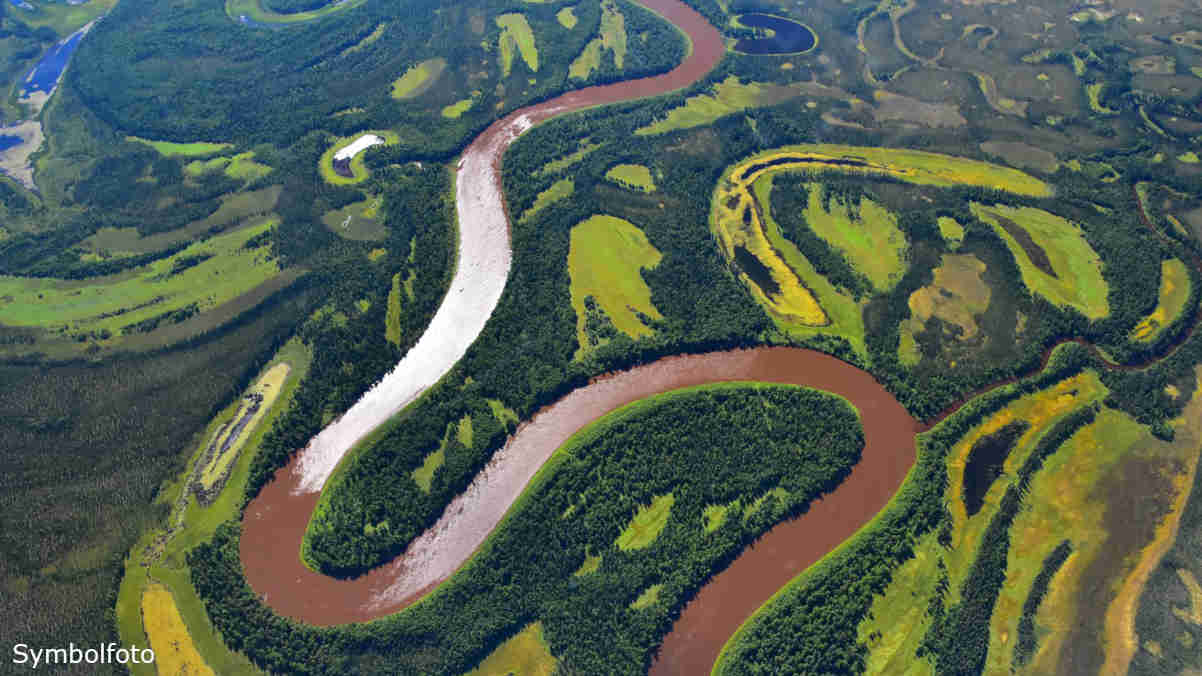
[[605, 258], [633, 176], [516, 36]]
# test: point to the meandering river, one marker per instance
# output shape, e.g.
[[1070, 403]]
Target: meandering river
[[274, 523]]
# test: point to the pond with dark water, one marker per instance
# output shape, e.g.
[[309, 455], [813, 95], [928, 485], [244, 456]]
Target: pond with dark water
[[788, 37]]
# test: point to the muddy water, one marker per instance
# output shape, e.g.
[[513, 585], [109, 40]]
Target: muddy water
[[274, 524], [484, 252]]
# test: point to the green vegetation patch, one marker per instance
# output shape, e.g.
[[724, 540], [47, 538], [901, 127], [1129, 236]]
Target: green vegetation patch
[[559, 190], [1094, 92], [359, 172], [254, 407], [255, 11], [633, 176], [866, 233], [201, 277], [713, 516], [612, 38], [605, 258], [462, 430], [503, 413], [567, 18], [172, 149], [456, 110], [516, 35], [1174, 294], [568, 160], [647, 523], [726, 97], [1053, 255], [648, 598], [957, 296], [358, 221], [951, 230], [418, 79], [241, 166], [527, 654], [592, 563]]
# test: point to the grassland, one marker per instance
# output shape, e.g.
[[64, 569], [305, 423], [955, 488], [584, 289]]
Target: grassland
[[358, 221], [201, 277], [255, 11], [174, 652], [612, 38], [567, 18], [418, 79], [568, 160], [229, 440], [559, 190], [957, 295], [726, 97], [455, 110], [462, 430], [392, 315], [172, 149], [1094, 92], [158, 558], [867, 236], [516, 36], [647, 598], [526, 654], [1174, 294], [605, 257], [951, 230], [633, 176], [647, 524], [899, 618], [359, 172], [241, 166], [1055, 259]]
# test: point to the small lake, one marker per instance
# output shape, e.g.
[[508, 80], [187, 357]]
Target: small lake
[[9, 141], [788, 37], [45, 74]]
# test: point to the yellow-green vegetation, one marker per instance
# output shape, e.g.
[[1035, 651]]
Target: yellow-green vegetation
[[1174, 294], [359, 171], [64, 17], [502, 412], [1192, 614], [777, 495], [592, 563], [375, 34], [358, 221], [605, 257], [424, 475], [957, 295], [242, 166], [1094, 92], [158, 557], [201, 277], [951, 230], [230, 438], [376, 254], [724, 98], [561, 189], [898, 620], [392, 314], [457, 109], [568, 160], [867, 236], [649, 596], [567, 18], [255, 11], [1189, 157], [1002, 104], [526, 654], [713, 516], [418, 79], [647, 523], [633, 176], [1053, 255], [1069, 498], [612, 38], [516, 34], [172, 149], [169, 638]]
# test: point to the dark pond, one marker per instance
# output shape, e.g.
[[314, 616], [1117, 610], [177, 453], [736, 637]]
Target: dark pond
[[789, 37], [8, 141], [44, 76], [757, 271], [985, 462]]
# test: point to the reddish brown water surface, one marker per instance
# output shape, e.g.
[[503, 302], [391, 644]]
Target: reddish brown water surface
[[274, 524]]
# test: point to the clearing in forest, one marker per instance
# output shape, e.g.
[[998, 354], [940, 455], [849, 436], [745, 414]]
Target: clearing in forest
[[612, 38], [561, 189], [174, 652], [1053, 255], [605, 260], [172, 149], [229, 439], [527, 653], [567, 18], [418, 79], [865, 233], [724, 98], [516, 36], [647, 523], [241, 166], [424, 475], [359, 171], [956, 296], [1174, 294], [633, 176]]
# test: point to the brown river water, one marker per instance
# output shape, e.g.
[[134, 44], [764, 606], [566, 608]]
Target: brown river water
[[274, 523]]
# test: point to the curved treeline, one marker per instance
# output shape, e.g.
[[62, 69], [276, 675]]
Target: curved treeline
[[695, 444], [1028, 639]]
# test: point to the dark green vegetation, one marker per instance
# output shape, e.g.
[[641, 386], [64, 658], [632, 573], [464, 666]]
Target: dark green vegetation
[[985, 462], [693, 444], [1027, 641]]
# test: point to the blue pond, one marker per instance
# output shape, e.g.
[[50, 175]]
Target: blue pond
[[789, 37], [21, 4], [8, 141], [44, 76]]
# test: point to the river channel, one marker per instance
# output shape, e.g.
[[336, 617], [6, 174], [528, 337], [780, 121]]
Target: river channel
[[274, 523]]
